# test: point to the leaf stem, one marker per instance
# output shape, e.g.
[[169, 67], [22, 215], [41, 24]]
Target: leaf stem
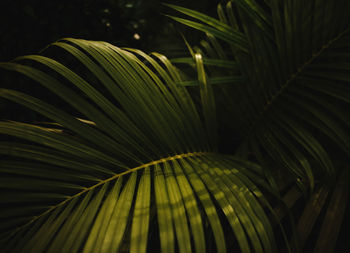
[[116, 176], [291, 78]]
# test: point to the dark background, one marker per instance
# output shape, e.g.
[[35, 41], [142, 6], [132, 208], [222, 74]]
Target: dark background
[[27, 26]]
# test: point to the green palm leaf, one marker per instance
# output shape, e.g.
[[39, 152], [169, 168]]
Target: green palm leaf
[[295, 62], [139, 168]]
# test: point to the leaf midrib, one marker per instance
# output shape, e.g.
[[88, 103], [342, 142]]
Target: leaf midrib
[[291, 78], [116, 176]]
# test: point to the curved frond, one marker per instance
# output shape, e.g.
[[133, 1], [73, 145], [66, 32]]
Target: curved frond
[[134, 169]]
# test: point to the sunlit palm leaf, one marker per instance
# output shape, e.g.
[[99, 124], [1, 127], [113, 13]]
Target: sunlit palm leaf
[[99, 184]]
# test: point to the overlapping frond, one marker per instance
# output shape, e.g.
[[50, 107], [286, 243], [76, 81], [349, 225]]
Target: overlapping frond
[[295, 71]]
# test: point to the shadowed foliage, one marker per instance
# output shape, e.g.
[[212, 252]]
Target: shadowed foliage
[[229, 148]]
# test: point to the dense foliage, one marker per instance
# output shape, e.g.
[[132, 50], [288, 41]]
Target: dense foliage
[[239, 144]]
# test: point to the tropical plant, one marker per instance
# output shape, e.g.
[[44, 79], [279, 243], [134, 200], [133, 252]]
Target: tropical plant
[[133, 158]]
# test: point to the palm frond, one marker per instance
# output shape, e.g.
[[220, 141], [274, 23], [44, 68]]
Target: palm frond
[[295, 62], [211, 26], [134, 170]]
